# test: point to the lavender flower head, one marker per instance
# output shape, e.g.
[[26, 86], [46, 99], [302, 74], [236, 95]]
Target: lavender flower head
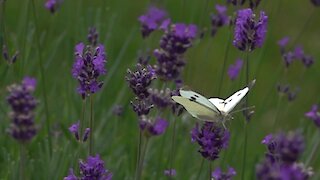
[[212, 138], [140, 80], [161, 98], [52, 5], [175, 41], [152, 20], [170, 172], [92, 168], [234, 69], [75, 130], [314, 114], [88, 66], [316, 2], [93, 36], [217, 174], [284, 149], [249, 33], [220, 19], [152, 127], [23, 104]]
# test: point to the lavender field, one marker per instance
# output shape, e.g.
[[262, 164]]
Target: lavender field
[[100, 90]]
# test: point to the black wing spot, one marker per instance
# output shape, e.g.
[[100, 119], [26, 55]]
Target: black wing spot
[[192, 99], [239, 94], [196, 95], [230, 100]]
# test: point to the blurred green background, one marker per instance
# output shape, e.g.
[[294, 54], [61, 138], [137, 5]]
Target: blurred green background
[[116, 138]]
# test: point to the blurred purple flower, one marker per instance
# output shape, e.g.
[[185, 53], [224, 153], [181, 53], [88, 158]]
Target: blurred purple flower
[[283, 43], [152, 127], [74, 129], [6, 56], [52, 5], [91, 169], [86, 134], [117, 110], [212, 138], [316, 2], [93, 36], [234, 69], [170, 172], [236, 2], [140, 80], [160, 98], [153, 19], [220, 19], [23, 104], [314, 114], [175, 41], [88, 66], [249, 33], [141, 107], [217, 174]]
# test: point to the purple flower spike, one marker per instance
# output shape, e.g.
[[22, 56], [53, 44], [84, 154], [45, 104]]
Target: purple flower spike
[[217, 174], [52, 5], [170, 172], [314, 114], [74, 129], [88, 66], [154, 18], [249, 33], [234, 69], [220, 19], [316, 2], [212, 138], [283, 43], [153, 127], [23, 104], [91, 169], [86, 135]]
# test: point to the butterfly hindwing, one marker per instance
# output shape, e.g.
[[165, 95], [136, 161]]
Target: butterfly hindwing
[[198, 98], [197, 110]]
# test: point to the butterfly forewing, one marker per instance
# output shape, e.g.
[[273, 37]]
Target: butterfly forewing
[[219, 103], [233, 100], [196, 109], [198, 98]]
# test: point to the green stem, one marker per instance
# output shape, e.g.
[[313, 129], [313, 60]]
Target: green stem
[[201, 166], [43, 79], [275, 122], [313, 151], [142, 159], [305, 25], [210, 169], [82, 119], [138, 155], [91, 125], [226, 53], [172, 145], [22, 164], [246, 122]]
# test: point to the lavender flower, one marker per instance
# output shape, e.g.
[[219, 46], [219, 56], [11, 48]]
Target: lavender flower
[[314, 114], [212, 138], [234, 69], [141, 107], [152, 20], [254, 3], [284, 89], [170, 172], [236, 2], [217, 174], [93, 36], [152, 127], [88, 66], [175, 41], [23, 104], [249, 33], [52, 5], [161, 98], [140, 80], [283, 147], [316, 2], [86, 134], [91, 169], [220, 19], [74, 129], [6, 56]]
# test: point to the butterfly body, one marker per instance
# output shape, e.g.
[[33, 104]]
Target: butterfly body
[[212, 109]]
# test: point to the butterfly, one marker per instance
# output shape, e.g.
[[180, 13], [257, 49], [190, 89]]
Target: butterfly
[[212, 109]]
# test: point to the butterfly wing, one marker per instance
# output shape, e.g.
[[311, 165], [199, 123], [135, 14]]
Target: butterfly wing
[[219, 103], [233, 100], [198, 98], [196, 109]]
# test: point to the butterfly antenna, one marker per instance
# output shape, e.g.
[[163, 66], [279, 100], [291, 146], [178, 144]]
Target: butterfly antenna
[[242, 109]]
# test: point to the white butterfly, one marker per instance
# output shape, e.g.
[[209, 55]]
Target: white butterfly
[[212, 109]]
